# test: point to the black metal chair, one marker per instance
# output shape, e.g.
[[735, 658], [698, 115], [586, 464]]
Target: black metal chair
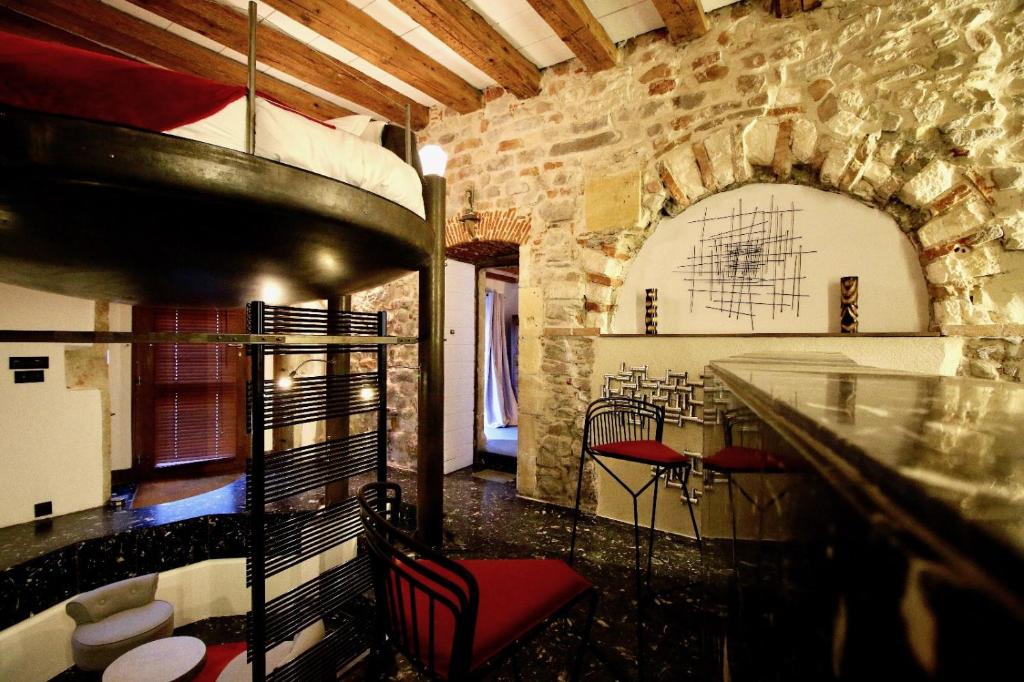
[[631, 430], [458, 620], [734, 459]]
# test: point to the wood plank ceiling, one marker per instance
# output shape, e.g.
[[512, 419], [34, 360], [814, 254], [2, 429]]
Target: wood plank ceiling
[[327, 58]]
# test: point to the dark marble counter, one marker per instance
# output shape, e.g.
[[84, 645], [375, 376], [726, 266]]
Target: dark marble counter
[[43, 563], [940, 458], [27, 541]]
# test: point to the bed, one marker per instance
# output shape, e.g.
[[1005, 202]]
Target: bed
[[57, 79], [125, 182]]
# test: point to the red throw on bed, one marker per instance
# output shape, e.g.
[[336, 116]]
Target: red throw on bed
[[57, 79]]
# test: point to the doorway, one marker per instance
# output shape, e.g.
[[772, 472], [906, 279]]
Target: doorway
[[498, 367]]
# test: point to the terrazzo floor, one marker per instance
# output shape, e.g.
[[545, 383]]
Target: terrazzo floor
[[700, 624]]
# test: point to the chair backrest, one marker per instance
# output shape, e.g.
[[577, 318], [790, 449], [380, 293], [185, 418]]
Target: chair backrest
[[94, 606], [617, 418], [426, 603]]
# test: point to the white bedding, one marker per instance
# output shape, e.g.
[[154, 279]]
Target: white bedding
[[288, 137]]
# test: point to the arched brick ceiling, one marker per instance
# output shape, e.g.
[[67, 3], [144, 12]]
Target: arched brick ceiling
[[482, 252]]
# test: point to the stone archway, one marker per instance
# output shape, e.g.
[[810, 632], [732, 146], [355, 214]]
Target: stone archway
[[945, 209], [506, 227], [938, 199]]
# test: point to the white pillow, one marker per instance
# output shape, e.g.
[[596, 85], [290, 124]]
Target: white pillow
[[361, 126], [354, 125]]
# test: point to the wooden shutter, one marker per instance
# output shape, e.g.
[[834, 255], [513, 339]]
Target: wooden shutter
[[196, 389]]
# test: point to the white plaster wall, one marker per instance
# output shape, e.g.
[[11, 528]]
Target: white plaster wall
[[839, 237], [50, 436], [929, 355], [120, 359], [459, 363]]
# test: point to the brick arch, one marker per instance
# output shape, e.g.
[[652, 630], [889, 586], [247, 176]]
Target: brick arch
[[494, 226], [945, 208]]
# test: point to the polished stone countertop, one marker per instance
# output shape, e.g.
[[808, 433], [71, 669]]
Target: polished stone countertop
[[944, 454], [26, 541]]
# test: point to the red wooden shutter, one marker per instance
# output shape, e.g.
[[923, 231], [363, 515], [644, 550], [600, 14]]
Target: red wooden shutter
[[196, 389]]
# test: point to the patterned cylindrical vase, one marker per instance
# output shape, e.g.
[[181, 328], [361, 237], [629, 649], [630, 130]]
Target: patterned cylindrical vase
[[848, 315], [651, 312]]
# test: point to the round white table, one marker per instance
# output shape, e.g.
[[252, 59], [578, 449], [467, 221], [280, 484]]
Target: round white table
[[171, 659]]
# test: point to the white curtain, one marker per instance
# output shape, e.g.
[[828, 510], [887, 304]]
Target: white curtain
[[500, 406]]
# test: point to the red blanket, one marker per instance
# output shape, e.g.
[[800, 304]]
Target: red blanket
[[58, 79]]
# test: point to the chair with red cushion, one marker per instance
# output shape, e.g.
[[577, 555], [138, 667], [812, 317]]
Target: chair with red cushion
[[458, 620], [630, 430], [734, 459]]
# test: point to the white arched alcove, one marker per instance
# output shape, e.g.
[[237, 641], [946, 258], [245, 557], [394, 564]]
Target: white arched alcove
[[767, 258]]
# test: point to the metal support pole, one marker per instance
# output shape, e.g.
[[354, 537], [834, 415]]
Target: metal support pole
[[250, 100], [337, 363], [430, 462], [382, 410], [257, 540], [408, 134]]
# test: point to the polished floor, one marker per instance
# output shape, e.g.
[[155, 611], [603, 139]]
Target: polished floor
[[700, 623], [171, 490]]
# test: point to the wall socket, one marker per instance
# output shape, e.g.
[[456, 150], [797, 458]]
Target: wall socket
[[44, 508]]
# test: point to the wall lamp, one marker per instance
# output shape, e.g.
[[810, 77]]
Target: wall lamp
[[433, 159], [286, 381]]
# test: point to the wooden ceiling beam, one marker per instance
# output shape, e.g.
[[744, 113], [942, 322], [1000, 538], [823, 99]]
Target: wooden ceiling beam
[[27, 27], [100, 23], [685, 19], [358, 32], [476, 41], [580, 30], [275, 48]]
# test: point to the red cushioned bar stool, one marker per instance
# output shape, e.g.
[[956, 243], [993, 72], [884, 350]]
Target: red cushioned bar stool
[[459, 620], [734, 459], [631, 430]]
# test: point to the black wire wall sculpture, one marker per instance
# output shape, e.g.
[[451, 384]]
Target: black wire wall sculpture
[[748, 263]]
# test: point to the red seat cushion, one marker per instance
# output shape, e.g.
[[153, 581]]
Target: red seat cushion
[[734, 459], [515, 596], [645, 451]]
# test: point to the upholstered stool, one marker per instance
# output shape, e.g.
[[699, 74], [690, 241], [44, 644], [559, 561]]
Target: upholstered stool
[[631, 430], [732, 460], [115, 618]]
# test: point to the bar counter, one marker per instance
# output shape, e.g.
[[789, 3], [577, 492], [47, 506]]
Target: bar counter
[[940, 459]]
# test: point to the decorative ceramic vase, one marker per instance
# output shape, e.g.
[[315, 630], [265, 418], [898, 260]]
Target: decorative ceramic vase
[[651, 312], [848, 315]]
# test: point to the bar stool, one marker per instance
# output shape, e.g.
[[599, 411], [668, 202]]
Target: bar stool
[[460, 619], [631, 430], [734, 459]]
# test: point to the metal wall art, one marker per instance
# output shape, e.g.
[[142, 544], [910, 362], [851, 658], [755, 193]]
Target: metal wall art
[[748, 263], [675, 392]]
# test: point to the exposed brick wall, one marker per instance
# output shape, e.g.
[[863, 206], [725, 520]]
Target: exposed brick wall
[[912, 106]]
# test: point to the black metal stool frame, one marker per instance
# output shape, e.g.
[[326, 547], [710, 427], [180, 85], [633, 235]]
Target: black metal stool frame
[[617, 419], [381, 537], [730, 419]]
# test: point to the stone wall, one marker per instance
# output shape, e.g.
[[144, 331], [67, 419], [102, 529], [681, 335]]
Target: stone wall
[[400, 300], [912, 106]]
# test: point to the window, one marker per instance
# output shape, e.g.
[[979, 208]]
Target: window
[[191, 395]]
